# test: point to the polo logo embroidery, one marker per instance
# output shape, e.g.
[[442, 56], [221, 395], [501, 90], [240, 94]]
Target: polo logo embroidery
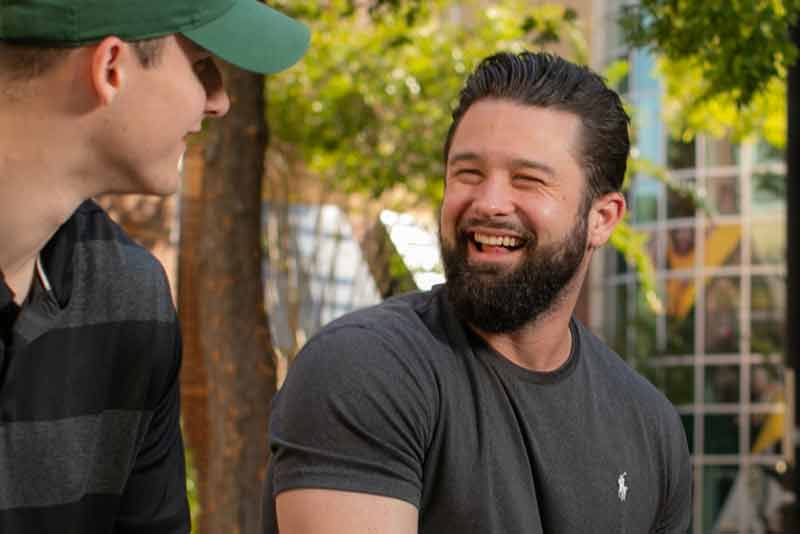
[[623, 488]]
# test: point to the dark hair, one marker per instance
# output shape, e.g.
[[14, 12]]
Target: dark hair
[[548, 81], [23, 62]]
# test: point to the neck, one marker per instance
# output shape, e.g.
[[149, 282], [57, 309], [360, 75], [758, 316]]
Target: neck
[[29, 216], [544, 344], [41, 185]]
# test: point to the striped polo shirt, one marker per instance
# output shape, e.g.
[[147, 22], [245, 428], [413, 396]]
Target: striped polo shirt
[[90, 440]]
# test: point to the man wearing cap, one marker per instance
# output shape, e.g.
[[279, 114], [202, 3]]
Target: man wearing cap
[[99, 97]]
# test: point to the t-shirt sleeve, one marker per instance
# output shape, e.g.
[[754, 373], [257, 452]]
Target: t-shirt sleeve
[[154, 498], [355, 414], [676, 510]]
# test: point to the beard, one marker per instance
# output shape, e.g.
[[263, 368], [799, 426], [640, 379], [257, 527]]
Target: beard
[[498, 299]]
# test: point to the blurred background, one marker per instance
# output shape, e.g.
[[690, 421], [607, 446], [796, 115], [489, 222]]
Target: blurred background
[[318, 195]]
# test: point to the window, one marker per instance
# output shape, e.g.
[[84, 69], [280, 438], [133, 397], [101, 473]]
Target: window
[[722, 305], [680, 154], [723, 195], [767, 311]]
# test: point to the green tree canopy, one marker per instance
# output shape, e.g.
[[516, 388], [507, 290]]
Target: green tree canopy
[[724, 63]]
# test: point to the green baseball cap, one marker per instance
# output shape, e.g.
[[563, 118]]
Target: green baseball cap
[[247, 33]]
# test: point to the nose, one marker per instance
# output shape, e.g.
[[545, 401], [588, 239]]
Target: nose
[[217, 100], [495, 197], [218, 103]]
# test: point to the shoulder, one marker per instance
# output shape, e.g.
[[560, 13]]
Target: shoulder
[[111, 288], [621, 381], [100, 238], [406, 330], [114, 308], [108, 266], [384, 351], [404, 310], [119, 284], [394, 316], [395, 330], [359, 406]]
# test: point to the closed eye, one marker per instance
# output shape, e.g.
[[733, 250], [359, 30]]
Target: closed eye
[[468, 175], [527, 179]]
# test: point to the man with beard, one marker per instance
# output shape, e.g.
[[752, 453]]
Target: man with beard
[[483, 406]]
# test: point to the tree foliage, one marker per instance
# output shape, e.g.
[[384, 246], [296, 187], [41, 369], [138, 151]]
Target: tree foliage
[[739, 45], [724, 63], [689, 111]]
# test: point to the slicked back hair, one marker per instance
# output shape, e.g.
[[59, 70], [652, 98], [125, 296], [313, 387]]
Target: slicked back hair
[[25, 62], [548, 81]]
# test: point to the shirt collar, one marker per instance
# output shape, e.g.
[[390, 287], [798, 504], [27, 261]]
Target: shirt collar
[[55, 262], [42, 274], [8, 308], [6, 296]]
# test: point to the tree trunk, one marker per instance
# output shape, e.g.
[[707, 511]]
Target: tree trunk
[[223, 312], [194, 377]]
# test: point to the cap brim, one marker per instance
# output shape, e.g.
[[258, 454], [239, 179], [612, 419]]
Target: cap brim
[[255, 37]]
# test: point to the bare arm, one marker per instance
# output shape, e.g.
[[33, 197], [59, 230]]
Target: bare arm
[[318, 511]]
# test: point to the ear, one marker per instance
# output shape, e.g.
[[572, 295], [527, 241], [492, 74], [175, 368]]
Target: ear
[[108, 68], [606, 212]]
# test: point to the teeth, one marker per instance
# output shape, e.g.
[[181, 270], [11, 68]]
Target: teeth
[[496, 241]]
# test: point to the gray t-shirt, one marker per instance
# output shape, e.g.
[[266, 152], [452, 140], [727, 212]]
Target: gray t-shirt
[[401, 400]]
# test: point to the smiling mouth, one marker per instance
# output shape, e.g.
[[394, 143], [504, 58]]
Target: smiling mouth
[[481, 240]]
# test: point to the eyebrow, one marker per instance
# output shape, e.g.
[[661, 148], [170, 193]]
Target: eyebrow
[[516, 162]]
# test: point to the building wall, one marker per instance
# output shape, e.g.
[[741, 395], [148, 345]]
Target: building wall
[[716, 349]]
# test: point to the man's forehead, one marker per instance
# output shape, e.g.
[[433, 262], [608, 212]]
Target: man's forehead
[[529, 135]]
